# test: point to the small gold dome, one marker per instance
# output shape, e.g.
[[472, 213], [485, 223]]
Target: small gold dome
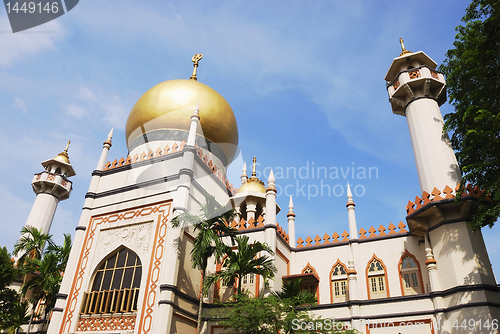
[[62, 157], [252, 185], [167, 108]]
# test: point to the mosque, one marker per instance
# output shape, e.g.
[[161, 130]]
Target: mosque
[[130, 272]]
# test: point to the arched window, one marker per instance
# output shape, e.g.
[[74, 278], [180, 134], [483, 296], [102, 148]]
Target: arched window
[[243, 211], [411, 280], [258, 211], [339, 287], [377, 279], [310, 283], [115, 287]]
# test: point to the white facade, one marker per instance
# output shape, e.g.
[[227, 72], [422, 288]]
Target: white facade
[[431, 269]]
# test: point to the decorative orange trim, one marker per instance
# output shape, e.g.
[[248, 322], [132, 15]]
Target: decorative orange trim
[[398, 323], [468, 190], [350, 204], [401, 276], [430, 261], [374, 257], [106, 323], [160, 208], [351, 272], [330, 277], [280, 254], [290, 214]]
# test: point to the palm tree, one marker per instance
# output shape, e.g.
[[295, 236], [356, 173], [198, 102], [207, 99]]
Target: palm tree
[[44, 284], [244, 261], [61, 252], [291, 290], [31, 244], [18, 316], [212, 223]]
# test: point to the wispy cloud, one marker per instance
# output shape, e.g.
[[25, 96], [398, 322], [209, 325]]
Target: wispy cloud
[[99, 105], [16, 47]]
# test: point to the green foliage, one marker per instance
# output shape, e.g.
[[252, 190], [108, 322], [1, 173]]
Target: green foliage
[[31, 244], [291, 290], [270, 315], [61, 252], [472, 70], [212, 222], [7, 270], [46, 280], [245, 260], [10, 305], [17, 313]]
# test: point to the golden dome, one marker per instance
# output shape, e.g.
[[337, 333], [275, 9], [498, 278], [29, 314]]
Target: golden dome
[[252, 185], [63, 156], [167, 108]]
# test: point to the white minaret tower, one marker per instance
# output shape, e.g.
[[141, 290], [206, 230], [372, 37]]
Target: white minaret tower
[[416, 90], [50, 186], [291, 224]]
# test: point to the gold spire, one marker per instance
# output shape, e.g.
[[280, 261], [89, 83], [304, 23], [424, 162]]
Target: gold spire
[[63, 156], [404, 51], [67, 146], [253, 183], [196, 59], [254, 168]]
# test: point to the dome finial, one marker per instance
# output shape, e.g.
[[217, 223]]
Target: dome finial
[[404, 51], [196, 59], [254, 168], [65, 152], [67, 146]]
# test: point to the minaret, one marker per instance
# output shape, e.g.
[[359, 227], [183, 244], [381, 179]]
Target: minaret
[[291, 224], [270, 233], [105, 149], [416, 90], [353, 229], [195, 119], [50, 186], [244, 176]]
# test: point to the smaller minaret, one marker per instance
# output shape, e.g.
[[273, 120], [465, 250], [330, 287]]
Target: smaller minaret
[[195, 119], [351, 272], [50, 186], [244, 176], [270, 199], [353, 229], [105, 149], [291, 224]]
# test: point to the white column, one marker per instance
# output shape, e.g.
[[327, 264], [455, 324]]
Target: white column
[[353, 229], [271, 200], [291, 224], [105, 149], [42, 212], [244, 176], [195, 118], [270, 233], [436, 162]]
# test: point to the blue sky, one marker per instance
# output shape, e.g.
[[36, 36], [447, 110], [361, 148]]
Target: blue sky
[[305, 80]]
